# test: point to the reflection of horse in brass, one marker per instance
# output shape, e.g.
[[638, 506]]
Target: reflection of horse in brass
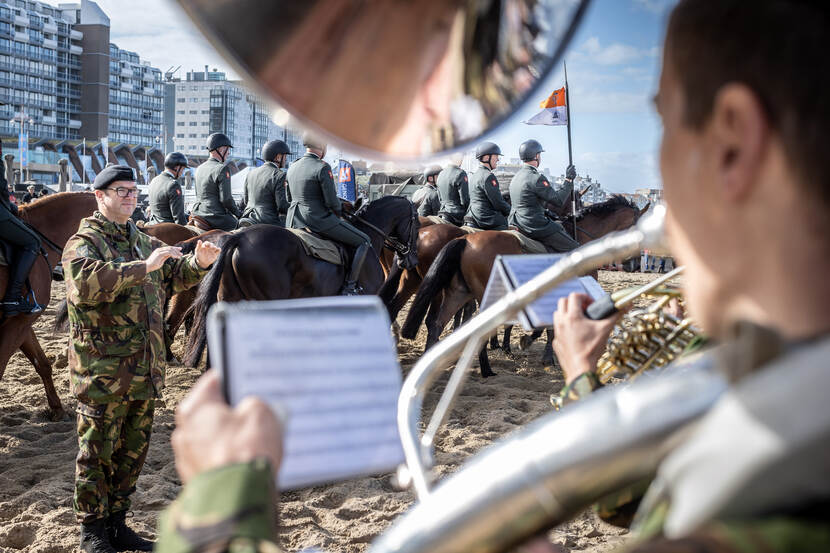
[[56, 218], [460, 272]]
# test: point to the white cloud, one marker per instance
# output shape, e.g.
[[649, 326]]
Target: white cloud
[[613, 54], [655, 6], [621, 171]]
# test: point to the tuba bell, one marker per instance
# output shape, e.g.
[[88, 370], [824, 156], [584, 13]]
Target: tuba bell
[[558, 465]]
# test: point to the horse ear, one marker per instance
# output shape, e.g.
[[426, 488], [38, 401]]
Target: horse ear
[[643, 211], [358, 203], [582, 193]]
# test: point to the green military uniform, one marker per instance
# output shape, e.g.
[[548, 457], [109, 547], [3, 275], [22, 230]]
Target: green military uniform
[[430, 203], [530, 191], [488, 209], [453, 192], [214, 201], [166, 200], [264, 195], [227, 509], [116, 354], [313, 202]]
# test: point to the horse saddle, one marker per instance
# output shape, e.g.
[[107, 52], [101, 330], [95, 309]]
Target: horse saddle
[[321, 248], [197, 224], [471, 230], [528, 245], [436, 220]]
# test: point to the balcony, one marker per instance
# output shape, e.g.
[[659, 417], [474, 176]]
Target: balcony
[[21, 37], [50, 27], [76, 35], [21, 20], [76, 49], [74, 124], [50, 43]]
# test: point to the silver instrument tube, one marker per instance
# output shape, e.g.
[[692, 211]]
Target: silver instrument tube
[[648, 233]]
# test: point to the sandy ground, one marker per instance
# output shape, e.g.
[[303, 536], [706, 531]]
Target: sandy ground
[[37, 455]]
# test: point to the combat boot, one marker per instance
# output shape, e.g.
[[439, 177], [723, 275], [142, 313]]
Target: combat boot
[[94, 537], [122, 537], [14, 302], [351, 288]]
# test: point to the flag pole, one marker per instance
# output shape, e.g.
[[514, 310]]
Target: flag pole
[[570, 148]]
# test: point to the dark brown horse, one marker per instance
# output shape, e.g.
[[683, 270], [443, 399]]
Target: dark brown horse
[[265, 262], [169, 233], [56, 218], [460, 272]]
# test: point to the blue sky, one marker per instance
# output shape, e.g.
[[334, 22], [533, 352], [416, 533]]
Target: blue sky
[[613, 65]]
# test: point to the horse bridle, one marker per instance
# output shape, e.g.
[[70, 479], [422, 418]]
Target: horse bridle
[[389, 241]]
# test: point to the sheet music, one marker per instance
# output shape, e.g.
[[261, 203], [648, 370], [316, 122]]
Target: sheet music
[[332, 365], [497, 286], [516, 270]]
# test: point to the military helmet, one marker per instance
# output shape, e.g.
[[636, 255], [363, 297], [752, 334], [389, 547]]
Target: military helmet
[[175, 159], [530, 149], [487, 148], [431, 171], [310, 140], [217, 140], [272, 149]]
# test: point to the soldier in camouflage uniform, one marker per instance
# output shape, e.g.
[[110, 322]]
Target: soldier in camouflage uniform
[[530, 191], [313, 203], [214, 200], [117, 281], [488, 208], [166, 198], [264, 192], [428, 203], [752, 475], [454, 194], [23, 239]]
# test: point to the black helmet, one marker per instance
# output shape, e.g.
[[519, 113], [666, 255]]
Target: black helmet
[[431, 171], [530, 149], [217, 140], [175, 159], [312, 141], [487, 148], [272, 149]]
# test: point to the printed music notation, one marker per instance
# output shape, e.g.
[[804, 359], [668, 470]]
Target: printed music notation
[[331, 365]]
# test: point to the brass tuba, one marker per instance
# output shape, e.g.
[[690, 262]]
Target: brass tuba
[[561, 463]]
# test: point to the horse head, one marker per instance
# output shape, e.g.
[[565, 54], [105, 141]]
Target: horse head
[[397, 217]]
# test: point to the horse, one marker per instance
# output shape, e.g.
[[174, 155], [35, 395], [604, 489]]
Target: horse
[[265, 262], [169, 233], [460, 272], [56, 219]]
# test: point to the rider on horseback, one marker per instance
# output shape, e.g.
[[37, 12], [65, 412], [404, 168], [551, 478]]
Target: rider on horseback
[[264, 191], [488, 208], [214, 201], [166, 199], [454, 194], [16, 233], [530, 191], [428, 203], [314, 204]]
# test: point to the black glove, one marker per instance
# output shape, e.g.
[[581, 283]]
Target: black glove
[[570, 172], [551, 215]]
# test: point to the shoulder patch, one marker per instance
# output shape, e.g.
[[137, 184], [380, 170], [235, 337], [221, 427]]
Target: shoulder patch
[[331, 175], [179, 190], [494, 182], [465, 178], [227, 174], [545, 181]]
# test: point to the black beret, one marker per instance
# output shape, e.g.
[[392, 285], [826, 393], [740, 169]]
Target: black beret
[[112, 174]]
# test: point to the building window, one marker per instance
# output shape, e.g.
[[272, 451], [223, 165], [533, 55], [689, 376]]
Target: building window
[[181, 100], [180, 124], [180, 112], [194, 123], [180, 135]]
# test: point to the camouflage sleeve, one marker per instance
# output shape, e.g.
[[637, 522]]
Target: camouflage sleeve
[[580, 387], [770, 535], [183, 273], [90, 280], [231, 509]]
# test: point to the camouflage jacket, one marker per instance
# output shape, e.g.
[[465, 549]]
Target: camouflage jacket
[[231, 509], [116, 310]]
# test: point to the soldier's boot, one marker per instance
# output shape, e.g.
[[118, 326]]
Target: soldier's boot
[[122, 537], [14, 302], [95, 538], [351, 288]]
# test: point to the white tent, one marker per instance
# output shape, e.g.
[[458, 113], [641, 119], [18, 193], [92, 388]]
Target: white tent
[[238, 181]]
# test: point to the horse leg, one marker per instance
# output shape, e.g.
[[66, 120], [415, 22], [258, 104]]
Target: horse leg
[[451, 301], [464, 314], [505, 344], [547, 356], [32, 350], [484, 363], [408, 286], [527, 339]]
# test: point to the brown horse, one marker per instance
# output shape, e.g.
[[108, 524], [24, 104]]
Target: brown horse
[[56, 218], [169, 233], [460, 272], [266, 262]]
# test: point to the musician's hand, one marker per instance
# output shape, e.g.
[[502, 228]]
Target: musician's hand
[[210, 434], [578, 341]]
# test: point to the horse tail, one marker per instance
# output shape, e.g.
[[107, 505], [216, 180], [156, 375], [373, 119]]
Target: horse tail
[[208, 293], [61, 317], [439, 276], [390, 286]]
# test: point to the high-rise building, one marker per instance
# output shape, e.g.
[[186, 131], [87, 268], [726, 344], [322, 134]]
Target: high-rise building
[[207, 102], [67, 87]]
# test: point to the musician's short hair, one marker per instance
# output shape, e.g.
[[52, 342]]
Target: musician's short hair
[[778, 48]]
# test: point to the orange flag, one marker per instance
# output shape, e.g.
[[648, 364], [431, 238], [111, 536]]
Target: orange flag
[[555, 100]]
